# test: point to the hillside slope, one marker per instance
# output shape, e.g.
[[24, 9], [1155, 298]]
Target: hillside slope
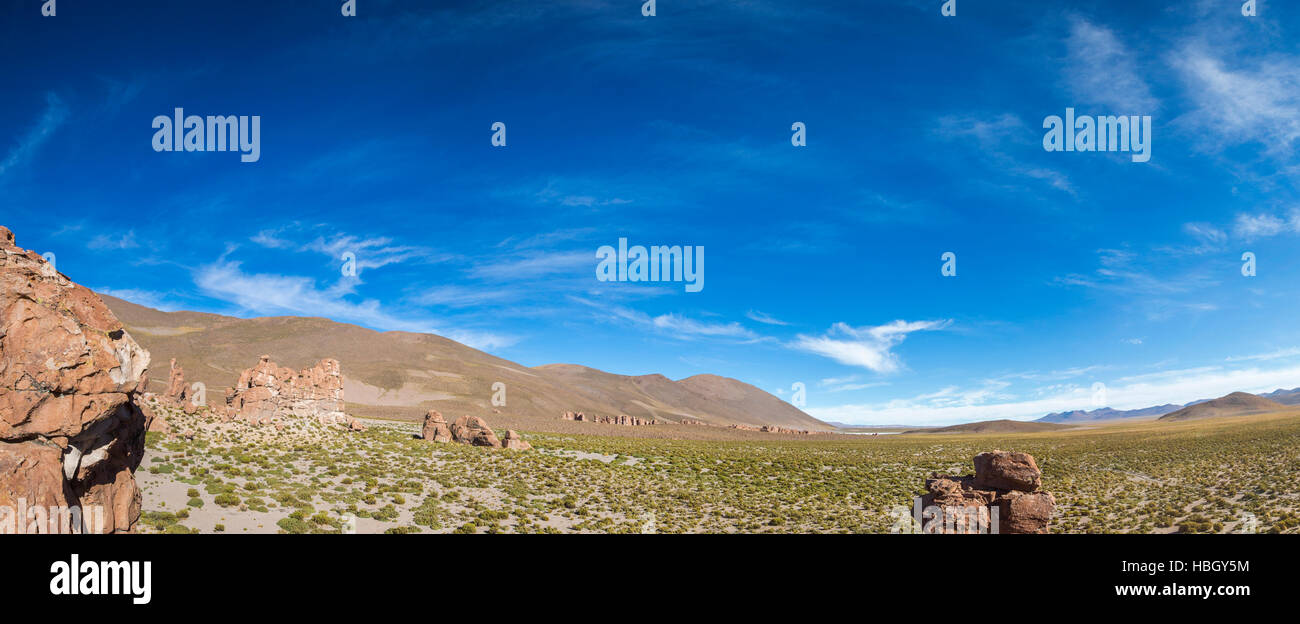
[[1235, 404], [402, 374], [707, 398]]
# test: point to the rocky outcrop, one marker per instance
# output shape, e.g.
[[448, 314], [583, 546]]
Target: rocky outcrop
[[267, 392], [470, 430], [625, 420], [513, 441], [761, 429], [71, 433], [435, 428], [1004, 481], [771, 429], [177, 393], [474, 431]]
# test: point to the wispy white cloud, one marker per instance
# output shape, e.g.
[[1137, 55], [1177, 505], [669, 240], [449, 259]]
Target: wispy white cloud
[[670, 325], [1271, 355], [1104, 72], [1262, 225], [1206, 239], [766, 319], [537, 264], [147, 298], [372, 252], [851, 382], [683, 326], [106, 242], [271, 294], [55, 114], [1242, 98], [995, 136], [867, 347], [1160, 285], [453, 296]]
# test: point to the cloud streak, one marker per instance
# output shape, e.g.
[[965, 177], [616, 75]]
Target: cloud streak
[[56, 113], [270, 294], [866, 347]]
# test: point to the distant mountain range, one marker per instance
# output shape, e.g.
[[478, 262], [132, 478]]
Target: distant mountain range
[[1285, 397], [1277, 398]]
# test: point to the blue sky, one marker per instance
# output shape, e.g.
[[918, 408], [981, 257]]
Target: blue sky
[[924, 136]]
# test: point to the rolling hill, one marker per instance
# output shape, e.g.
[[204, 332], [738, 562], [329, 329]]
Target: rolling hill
[[1235, 404], [995, 426], [402, 374]]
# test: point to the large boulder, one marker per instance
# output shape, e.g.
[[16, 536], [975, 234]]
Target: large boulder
[[1025, 512], [435, 428], [71, 433], [475, 431], [1007, 471]]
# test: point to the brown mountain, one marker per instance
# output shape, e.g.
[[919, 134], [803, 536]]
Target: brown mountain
[[708, 398], [996, 426], [1235, 404], [403, 374]]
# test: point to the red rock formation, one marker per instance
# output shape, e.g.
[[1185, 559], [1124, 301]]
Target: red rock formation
[[513, 441], [71, 434], [435, 428], [630, 421], [266, 392], [771, 429], [1003, 481], [475, 431], [176, 390]]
